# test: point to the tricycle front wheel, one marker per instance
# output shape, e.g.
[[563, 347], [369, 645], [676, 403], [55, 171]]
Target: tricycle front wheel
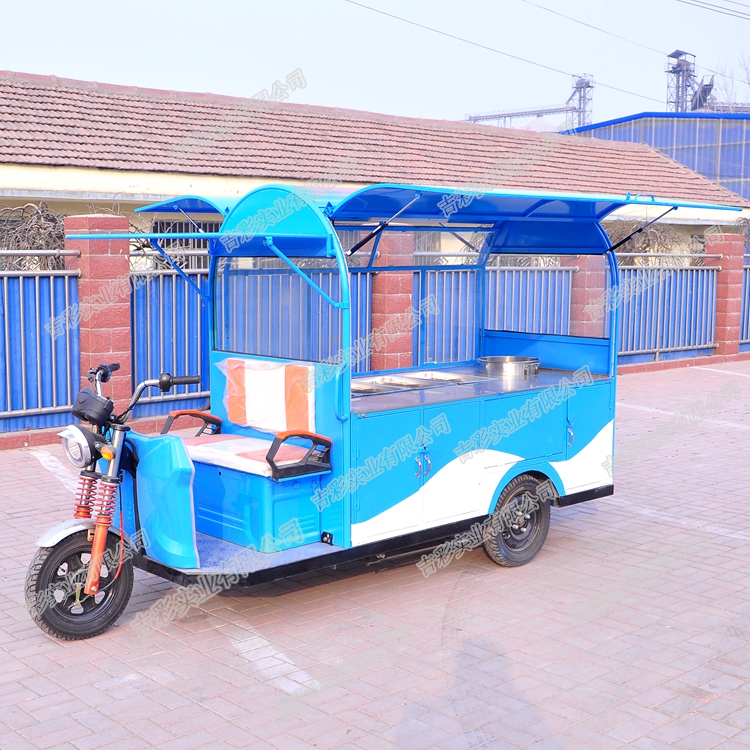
[[54, 588]]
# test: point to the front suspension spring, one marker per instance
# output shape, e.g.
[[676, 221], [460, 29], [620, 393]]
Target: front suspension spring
[[85, 496], [106, 503]]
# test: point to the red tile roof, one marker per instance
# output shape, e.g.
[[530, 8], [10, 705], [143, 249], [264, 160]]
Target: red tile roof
[[60, 122]]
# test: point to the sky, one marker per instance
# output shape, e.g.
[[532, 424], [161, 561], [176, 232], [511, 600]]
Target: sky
[[354, 57]]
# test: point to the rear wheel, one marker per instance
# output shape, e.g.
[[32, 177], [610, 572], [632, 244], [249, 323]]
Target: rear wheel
[[54, 588], [519, 524]]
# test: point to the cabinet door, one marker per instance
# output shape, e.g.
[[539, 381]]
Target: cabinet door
[[387, 500], [452, 486], [523, 425], [588, 461], [589, 413]]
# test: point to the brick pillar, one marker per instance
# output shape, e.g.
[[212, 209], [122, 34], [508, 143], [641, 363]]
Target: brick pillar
[[392, 296], [728, 288], [588, 286], [103, 316]]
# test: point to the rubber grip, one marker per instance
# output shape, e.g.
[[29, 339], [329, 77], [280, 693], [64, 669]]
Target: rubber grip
[[186, 380]]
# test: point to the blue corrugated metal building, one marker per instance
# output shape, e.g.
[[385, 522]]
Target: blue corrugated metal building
[[715, 144]]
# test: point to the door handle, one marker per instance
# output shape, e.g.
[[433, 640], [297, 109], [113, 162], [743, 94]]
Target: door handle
[[571, 436], [419, 465], [429, 464]]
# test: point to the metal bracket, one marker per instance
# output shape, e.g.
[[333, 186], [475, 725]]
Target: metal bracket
[[155, 244], [268, 242]]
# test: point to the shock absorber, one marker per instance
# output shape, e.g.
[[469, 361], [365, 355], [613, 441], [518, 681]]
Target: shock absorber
[[106, 503], [85, 495]]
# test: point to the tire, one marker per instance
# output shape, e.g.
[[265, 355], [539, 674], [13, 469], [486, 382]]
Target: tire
[[509, 546], [54, 588]]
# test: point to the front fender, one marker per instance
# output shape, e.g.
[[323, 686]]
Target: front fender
[[65, 529]]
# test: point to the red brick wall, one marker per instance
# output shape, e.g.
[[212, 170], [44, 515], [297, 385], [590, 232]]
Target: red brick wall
[[729, 288], [104, 300], [392, 296], [587, 289]]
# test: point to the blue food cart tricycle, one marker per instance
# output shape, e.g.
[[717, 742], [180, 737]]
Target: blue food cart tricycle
[[406, 367]]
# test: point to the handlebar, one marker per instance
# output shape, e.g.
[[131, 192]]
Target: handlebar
[[101, 373], [164, 383], [167, 381]]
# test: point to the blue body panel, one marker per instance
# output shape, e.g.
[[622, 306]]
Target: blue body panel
[[165, 499], [554, 352], [244, 509]]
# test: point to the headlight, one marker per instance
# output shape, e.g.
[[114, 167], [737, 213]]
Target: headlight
[[78, 445]]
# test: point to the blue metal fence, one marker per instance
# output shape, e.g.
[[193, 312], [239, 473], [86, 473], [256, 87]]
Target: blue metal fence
[[449, 325], [667, 312], [39, 376], [745, 309], [529, 299], [170, 333]]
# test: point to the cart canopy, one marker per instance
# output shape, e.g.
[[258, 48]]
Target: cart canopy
[[526, 221], [276, 218], [191, 204]]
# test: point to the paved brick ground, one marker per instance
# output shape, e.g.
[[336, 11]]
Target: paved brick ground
[[631, 629]]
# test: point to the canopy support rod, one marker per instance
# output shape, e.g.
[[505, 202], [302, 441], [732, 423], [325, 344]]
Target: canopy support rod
[[268, 242], [383, 224], [639, 230], [155, 244], [189, 218], [459, 237]]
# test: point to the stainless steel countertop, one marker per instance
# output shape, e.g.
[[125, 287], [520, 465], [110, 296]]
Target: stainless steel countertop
[[437, 394]]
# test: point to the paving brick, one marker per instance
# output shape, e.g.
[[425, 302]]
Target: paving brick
[[631, 629]]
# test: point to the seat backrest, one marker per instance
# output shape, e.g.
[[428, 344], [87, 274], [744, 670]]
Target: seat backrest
[[269, 396]]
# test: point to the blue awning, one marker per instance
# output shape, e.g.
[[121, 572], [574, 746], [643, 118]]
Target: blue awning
[[467, 206], [191, 204], [523, 220]]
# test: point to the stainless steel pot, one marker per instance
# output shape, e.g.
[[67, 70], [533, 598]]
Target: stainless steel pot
[[511, 371]]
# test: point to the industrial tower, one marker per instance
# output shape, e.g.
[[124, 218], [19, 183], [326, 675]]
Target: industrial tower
[[577, 109], [684, 92]]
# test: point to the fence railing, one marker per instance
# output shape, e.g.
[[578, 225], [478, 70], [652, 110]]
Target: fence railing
[[533, 299], [170, 333], [667, 311], [672, 313], [745, 308], [450, 332], [39, 374]]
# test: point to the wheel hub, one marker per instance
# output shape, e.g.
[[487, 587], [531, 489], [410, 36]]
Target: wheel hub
[[520, 524]]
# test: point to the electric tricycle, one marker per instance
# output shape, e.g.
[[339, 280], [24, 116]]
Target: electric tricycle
[[404, 368]]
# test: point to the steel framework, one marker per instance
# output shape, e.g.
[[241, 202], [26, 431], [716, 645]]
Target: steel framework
[[685, 93], [577, 109]]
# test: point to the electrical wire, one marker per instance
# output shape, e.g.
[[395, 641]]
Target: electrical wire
[[723, 10], [496, 51], [723, 7], [625, 39], [591, 26]]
